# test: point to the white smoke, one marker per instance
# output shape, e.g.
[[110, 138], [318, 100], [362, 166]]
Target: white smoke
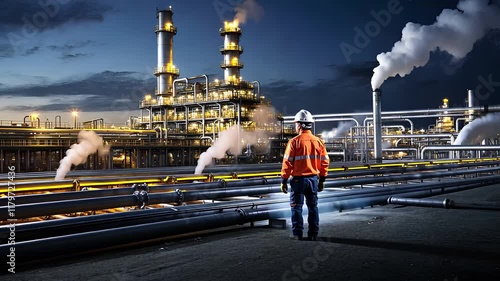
[[231, 139], [479, 129], [249, 9], [88, 143], [455, 32], [340, 131]]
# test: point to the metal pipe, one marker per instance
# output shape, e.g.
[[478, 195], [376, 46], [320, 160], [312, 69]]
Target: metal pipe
[[470, 104], [44, 229], [74, 243], [456, 122], [391, 118], [377, 125], [333, 119], [70, 206], [458, 110], [458, 148], [178, 80], [258, 88], [442, 203]]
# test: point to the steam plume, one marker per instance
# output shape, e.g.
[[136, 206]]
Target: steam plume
[[479, 129], [249, 9], [88, 143], [455, 32], [228, 139], [340, 131]]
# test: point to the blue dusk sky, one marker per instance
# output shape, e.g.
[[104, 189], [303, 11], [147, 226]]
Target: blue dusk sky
[[98, 56]]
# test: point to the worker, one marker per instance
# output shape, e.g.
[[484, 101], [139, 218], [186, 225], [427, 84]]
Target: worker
[[306, 161]]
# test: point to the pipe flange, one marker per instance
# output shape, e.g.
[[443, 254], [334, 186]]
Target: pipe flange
[[180, 195], [223, 183], [142, 198], [76, 185], [243, 216], [140, 186]]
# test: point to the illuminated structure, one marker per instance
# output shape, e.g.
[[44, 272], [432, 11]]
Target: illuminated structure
[[190, 116]]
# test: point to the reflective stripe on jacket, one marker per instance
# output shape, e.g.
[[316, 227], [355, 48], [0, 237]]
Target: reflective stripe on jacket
[[305, 155]]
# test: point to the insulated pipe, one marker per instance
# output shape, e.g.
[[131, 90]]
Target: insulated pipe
[[377, 125], [458, 148]]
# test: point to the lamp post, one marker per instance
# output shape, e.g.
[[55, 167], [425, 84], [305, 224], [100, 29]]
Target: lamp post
[[75, 114]]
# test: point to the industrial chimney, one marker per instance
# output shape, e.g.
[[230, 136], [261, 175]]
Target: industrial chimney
[[377, 125], [231, 51], [165, 71]]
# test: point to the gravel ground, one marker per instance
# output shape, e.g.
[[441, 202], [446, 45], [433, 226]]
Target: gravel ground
[[380, 243]]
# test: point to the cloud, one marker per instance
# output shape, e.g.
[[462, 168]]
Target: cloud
[[105, 91], [16, 14], [69, 47], [361, 70], [73, 56], [6, 51]]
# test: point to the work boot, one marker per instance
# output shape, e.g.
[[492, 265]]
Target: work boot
[[296, 237], [312, 237]]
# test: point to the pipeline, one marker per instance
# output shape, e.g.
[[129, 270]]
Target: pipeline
[[80, 242], [37, 198], [442, 203], [96, 222], [142, 198]]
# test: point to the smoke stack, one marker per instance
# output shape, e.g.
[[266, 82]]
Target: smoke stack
[[231, 50], [377, 125], [165, 71], [470, 104]]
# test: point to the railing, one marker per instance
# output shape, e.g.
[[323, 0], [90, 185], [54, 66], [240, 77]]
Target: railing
[[167, 69], [168, 28], [231, 48], [229, 28], [231, 64]]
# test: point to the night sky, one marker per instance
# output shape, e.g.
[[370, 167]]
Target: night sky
[[98, 56]]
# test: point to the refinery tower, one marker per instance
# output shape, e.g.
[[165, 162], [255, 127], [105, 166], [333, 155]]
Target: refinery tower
[[189, 113]]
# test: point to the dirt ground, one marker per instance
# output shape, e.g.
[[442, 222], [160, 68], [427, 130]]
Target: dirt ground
[[380, 243]]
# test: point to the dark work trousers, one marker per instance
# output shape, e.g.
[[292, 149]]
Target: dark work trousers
[[304, 187]]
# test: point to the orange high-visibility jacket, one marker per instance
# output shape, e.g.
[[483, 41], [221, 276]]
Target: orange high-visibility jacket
[[305, 155]]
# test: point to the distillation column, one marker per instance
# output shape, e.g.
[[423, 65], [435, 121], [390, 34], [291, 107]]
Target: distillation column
[[165, 71], [231, 50]]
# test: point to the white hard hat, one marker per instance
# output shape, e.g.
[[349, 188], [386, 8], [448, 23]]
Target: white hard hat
[[303, 116]]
